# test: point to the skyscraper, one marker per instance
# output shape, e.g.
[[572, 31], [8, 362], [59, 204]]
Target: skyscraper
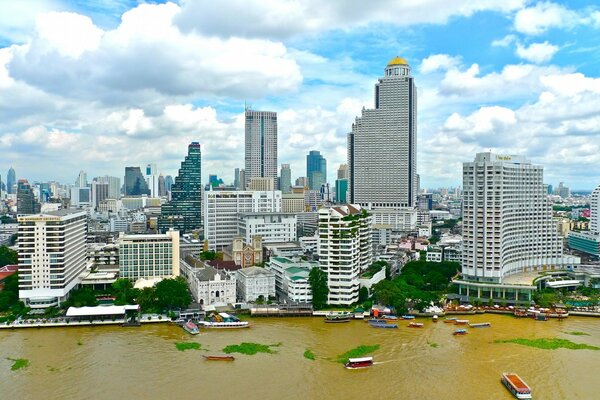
[[152, 179], [135, 184], [184, 212], [382, 145], [285, 179], [595, 211], [168, 182], [316, 170], [261, 145], [236, 179], [11, 179], [342, 172], [81, 180], [26, 203], [162, 190], [114, 185]]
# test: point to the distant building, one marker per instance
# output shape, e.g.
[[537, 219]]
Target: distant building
[[285, 179], [293, 203], [81, 180], [255, 282], [563, 191], [184, 211], [81, 196], [149, 256], [261, 184], [589, 241], [244, 253], [343, 172], [273, 227], [302, 182], [26, 202], [114, 185], [341, 191], [98, 193], [151, 176], [11, 180], [135, 184], [162, 187], [52, 256], [316, 169], [236, 179], [168, 182], [261, 145]]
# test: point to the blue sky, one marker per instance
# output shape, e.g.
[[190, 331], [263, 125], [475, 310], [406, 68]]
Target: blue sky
[[106, 84]]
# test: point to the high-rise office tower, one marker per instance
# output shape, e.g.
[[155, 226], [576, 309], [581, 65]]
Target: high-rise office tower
[[99, 192], [152, 179], [302, 181], [236, 179], [114, 185], [26, 203], [135, 184], [261, 145], [168, 182], [341, 190], [589, 241], [342, 172], [595, 211], [382, 150], [11, 180], [242, 179], [81, 180], [316, 170], [184, 212], [285, 179], [162, 190], [52, 256], [507, 219]]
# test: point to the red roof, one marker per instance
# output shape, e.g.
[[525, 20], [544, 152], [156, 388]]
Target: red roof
[[228, 265], [7, 271]]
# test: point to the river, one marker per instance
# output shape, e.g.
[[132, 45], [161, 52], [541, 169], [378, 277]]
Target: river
[[429, 363]]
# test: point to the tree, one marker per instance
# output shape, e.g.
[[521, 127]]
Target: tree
[[81, 298], [173, 293], [208, 255], [363, 294], [9, 296], [8, 256], [318, 285], [147, 300], [123, 290]]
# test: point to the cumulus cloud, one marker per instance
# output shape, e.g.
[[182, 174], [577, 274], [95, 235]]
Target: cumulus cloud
[[543, 16], [438, 62], [537, 52]]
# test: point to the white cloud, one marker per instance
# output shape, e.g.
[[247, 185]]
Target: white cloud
[[67, 33], [543, 16], [438, 62], [505, 41], [537, 52]]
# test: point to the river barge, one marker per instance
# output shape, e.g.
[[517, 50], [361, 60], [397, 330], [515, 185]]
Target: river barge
[[450, 320], [461, 322], [481, 325], [516, 385], [358, 363]]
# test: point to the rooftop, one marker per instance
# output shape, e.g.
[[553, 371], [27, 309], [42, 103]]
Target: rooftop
[[255, 271], [397, 61]]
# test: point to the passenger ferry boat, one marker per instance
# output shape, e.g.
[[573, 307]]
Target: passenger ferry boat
[[481, 325], [459, 332], [415, 325], [339, 317], [219, 358], [191, 328], [516, 385], [224, 321], [357, 363]]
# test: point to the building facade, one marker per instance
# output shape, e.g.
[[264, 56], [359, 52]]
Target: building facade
[[26, 202], [114, 185], [382, 148], [11, 180], [210, 286], [52, 256], [135, 184], [261, 145], [273, 227], [291, 279], [255, 282], [285, 179], [316, 169], [149, 256], [345, 250]]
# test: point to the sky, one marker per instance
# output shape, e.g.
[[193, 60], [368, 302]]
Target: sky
[[101, 85]]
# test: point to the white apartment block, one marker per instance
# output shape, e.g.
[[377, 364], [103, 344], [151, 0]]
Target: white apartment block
[[222, 210], [149, 256], [399, 219], [291, 279], [272, 227], [345, 250], [382, 149], [254, 282], [52, 256], [261, 145], [507, 220], [595, 211]]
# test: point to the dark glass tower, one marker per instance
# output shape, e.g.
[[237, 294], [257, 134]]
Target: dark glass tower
[[184, 211], [11, 179], [316, 170], [26, 203], [135, 184]]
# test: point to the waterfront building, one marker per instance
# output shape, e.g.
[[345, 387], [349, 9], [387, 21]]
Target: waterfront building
[[260, 145], [345, 250], [285, 179], [52, 256], [273, 227], [114, 185], [135, 184], [589, 241], [223, 208], [291, 279], [316, 169], [261, 184], [507, 228], [11, 180], [149, 256], [26, 202], [211, 286], [184, 211], [255, 282], [382, 147]]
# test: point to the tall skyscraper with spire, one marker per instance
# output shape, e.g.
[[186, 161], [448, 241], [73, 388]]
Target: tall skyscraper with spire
[[261, 145], [184, 212], [382, 149]]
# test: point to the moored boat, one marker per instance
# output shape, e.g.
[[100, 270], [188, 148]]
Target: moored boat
[[339, 317], [377, 321], [415, 325], [191, 328], [459, 332], [390, 317], [384, 325], [225, 325], [408, 317], [481, 325], [461, 322], [450, 320], [516, 385], [219, 358], [357, 363]]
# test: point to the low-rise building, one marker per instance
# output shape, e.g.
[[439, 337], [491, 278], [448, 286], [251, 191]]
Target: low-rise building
[[254, 282], [214, 287], [291, 279], [273, 227]]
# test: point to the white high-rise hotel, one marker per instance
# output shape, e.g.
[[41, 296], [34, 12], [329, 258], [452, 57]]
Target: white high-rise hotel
[[382, 147], [261, 145], [507, 220]]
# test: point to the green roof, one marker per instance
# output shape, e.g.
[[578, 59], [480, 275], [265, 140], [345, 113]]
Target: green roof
[[283, 260], [295, 270]]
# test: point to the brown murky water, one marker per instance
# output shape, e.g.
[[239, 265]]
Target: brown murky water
[[143, 363]]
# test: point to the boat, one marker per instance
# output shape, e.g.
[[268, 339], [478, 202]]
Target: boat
[[481, 325], [460, 332], [435, 318], [338, 317], [461, 322], [390, 317], [225, 325], [415, 325], [219, 358], [384, 325], [191, 328], [450, 320], [516, 385], [377, 321], [357, 363], [408, 317]]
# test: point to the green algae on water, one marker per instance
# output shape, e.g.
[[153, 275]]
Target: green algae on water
[[183, 346], [18, 363], [248, 348], [359, 351], [550, 344], [309, 355], [577, 333]]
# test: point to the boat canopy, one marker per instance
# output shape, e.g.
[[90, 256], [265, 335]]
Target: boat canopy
[[359, 360]]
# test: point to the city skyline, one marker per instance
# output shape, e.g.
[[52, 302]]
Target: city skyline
[[490, 91]]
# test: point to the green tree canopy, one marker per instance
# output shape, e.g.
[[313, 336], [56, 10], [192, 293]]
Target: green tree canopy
[[173, 293], [8, 256], [318, 285]]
